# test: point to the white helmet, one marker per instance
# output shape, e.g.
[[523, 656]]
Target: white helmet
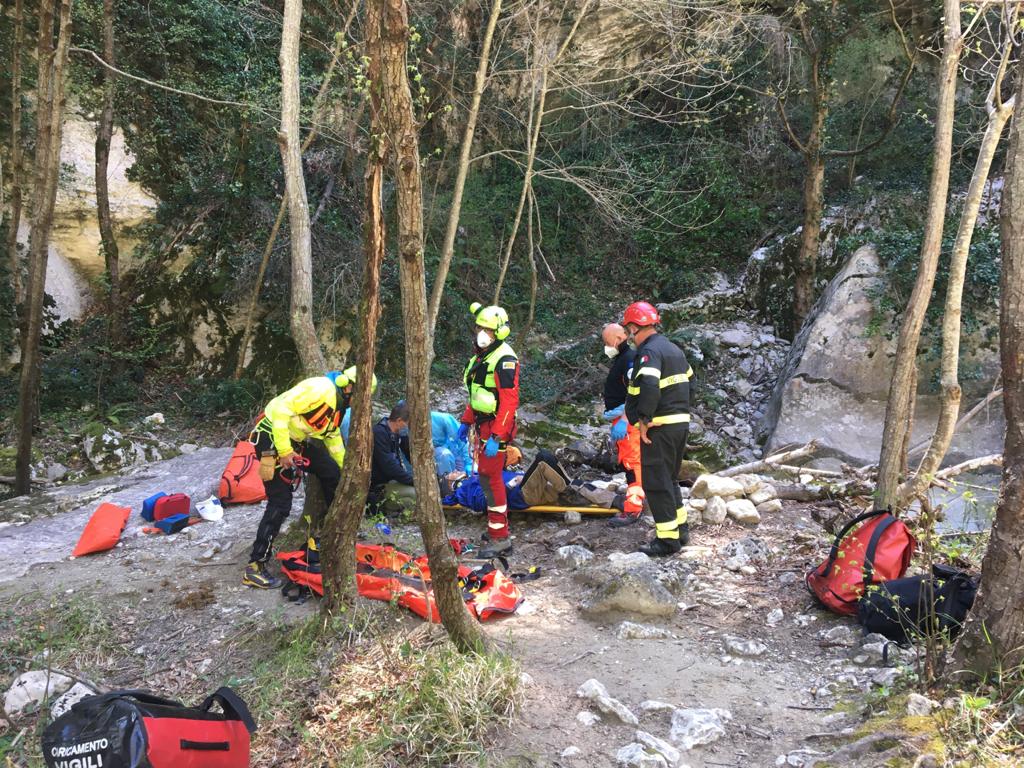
[[210, 509]]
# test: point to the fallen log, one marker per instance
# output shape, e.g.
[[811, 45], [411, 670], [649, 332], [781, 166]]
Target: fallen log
[[815, 492], [784, 458]]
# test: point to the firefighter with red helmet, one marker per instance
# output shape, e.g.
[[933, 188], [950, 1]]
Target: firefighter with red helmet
[[625, 436], [492, 380], [658, 405]]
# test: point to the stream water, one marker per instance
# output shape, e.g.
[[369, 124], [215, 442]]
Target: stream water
[[971, 503]]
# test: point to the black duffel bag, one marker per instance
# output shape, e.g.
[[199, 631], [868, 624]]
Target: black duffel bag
[[135, 729], [927, 604]]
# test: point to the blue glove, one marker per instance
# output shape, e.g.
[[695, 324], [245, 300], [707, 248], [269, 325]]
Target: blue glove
[[491, 448], [463, 433], [614, 413], [619, 429]]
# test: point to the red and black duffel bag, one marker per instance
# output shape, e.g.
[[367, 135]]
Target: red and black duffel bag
[[871, 548], [135, 729]]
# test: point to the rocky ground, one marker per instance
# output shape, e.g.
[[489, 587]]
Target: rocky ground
[[715, 657]]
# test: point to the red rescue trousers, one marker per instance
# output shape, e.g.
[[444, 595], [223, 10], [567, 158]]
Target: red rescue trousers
[[629, 457], [492, 482]]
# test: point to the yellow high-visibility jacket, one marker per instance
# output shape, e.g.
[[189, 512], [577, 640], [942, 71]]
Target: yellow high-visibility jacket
[[291, 413]]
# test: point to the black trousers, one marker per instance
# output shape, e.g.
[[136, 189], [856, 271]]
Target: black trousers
[[659, 464], [281, 488]]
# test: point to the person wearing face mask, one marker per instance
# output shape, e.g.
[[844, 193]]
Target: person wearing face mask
[[391, 481], [658, 404], [302, 422], [625, 436], [492, 379]]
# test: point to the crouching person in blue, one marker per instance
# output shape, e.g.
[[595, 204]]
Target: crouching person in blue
[[391, 480]]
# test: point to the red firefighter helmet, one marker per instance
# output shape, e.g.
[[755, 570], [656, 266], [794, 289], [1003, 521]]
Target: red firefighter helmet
[[642, 314]]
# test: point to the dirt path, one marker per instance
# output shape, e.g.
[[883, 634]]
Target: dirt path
[[157, 585]]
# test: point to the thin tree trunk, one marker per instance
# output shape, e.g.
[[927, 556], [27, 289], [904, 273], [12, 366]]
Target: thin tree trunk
[[893, 438], [448, 247], [104, 131], [342, 524], [949, 405], [806, 262], [254, 298], [387, 44], [533, 263], [17, 162], [301, 314], [531, 155], [49, 124], [993, 639]]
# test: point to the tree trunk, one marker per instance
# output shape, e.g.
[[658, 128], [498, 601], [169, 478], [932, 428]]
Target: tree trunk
[[49, 124], [949, 405], [254, 298], [448, 247], [342, 524], [388, 45], [104, 131], [17, 163], [303, 331], [533, 264], [993, 639], [900, 397], [806, 264]]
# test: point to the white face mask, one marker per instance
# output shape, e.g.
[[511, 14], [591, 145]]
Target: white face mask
[[483, 339], [612, 352]]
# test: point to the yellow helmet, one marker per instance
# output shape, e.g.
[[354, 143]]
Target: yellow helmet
[[493, 318], [349, 376]]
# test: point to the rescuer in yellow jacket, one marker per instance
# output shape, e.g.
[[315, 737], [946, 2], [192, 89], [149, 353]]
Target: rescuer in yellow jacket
[[302, 422]]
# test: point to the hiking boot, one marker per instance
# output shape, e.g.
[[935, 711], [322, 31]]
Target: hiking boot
[[660, 547], [497, 548], [684, 535], [624, 519], [256, 575]]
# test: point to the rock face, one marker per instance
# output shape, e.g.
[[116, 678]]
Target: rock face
[[835, 382], [112, 450]]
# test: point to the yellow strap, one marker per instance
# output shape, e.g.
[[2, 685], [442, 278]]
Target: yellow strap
[[681, 515], [632, 390], [666, 527], [679, 378], [673, 418], [649, 371]]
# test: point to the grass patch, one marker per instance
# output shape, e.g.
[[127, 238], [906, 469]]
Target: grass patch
[[986, 726], [412, 701]]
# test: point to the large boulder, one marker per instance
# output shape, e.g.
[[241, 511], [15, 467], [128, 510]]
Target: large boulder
[[111, 450], [835, 382], [31, 689]]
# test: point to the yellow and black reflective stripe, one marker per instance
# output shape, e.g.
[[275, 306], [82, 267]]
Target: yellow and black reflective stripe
[[667, 530], [679, 378], [672, 418], [681, 515]]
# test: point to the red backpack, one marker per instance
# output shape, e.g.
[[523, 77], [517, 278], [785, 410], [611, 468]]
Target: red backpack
[[878, 548], [240, 483]]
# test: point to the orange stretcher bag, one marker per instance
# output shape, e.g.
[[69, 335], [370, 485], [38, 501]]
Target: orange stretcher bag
[[240, 482], [103, 530]]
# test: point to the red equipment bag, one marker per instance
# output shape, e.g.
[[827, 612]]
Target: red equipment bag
[[169, 506], [135, 729], [878, 548], [240, 482], [103, 530]]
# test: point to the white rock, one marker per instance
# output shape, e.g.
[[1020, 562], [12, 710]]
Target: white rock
[[775, 616], [920, 706], [630, 631], [697, 504], [693, 727], [743, 512], [743, 387], [736, 337], [572, 517], [31, 688], [598, 694], [69, 699], [56, 472], [636, 756], [769, 507], [621, 561], [748, 570], [154, 420], [737, 646], [660, 746], [653, 705], [788, 577], [736, 562], [716, 511], [762, 494], [572, 752], [841, 634], [574, 555], [188, 448], [707, 486], [526, 679], [587, 718]]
